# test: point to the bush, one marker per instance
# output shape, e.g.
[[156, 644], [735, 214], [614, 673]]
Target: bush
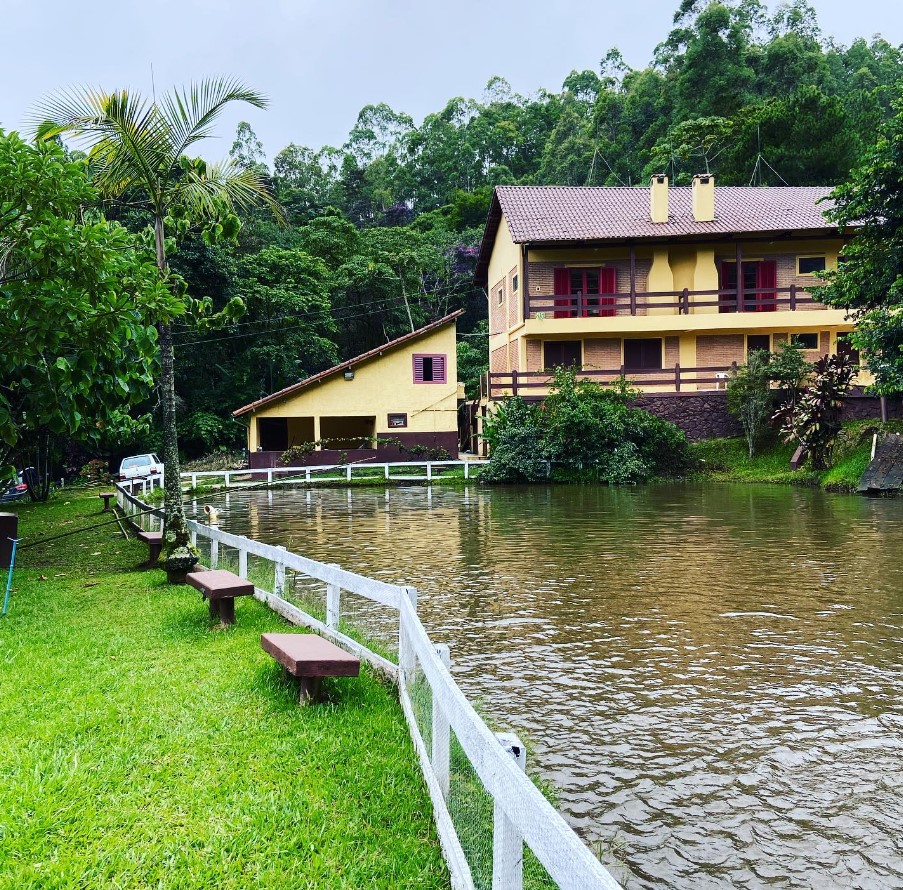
[[584, 428]]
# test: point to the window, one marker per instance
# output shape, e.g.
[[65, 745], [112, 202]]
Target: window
[[759, 276], [514, 283], [758, 341], [398, 421], [805, 341], [578, 290], [501, 295], [643, 355], [562, 353], [810, 265], [429, 368], [845, 347]]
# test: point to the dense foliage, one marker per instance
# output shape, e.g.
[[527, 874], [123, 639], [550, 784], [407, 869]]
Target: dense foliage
[[582, 430], [814, 420], [76, 296], [869, 283], [382, 231]]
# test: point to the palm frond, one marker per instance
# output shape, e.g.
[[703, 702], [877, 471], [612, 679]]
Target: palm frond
[[191, 113], [224, 186]]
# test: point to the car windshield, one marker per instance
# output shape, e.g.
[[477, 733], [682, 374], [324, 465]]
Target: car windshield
[[139, 461]]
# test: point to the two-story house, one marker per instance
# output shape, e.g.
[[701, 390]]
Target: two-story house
[[669, 286]]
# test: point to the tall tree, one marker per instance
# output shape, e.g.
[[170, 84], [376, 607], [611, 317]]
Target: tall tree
[[138, 148], [74, 292], [869, 283]]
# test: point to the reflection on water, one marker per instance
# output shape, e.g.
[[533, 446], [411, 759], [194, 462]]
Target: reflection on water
[[712, 674]]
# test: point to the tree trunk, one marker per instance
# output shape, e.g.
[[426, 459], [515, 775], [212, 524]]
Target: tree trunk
[[178, 553]]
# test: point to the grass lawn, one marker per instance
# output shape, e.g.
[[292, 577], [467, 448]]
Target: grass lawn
[[727, 460], [141, 747]]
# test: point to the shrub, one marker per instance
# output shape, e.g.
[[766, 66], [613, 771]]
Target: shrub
[[749, 397], [582, 427]]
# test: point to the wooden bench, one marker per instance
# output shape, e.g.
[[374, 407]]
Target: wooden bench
[[310, 658], [220, 588], [107, 497], [154, 541]]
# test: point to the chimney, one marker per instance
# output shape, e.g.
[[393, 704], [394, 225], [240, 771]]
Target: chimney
[[704, 197], [658, 198]]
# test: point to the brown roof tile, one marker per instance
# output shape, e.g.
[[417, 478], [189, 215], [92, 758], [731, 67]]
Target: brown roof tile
[[546, 214], [358, 359]]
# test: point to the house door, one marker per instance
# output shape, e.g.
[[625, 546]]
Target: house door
[[758, 276], [583, 287]]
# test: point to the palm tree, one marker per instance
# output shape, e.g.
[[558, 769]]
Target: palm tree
[[138, 146]]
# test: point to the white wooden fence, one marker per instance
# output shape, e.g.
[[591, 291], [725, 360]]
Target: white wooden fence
[[431, 470], [521, 815]]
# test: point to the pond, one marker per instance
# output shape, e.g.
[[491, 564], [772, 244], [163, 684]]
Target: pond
[[710, 676]]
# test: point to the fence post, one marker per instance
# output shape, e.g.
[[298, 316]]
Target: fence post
[[226, 478], [194, 480], [214, 553], [467, 469], [270, 476], [441, 734], [242, 563], [677, 376], [429, 471], [333, 605], [514, 382], [406, 658], [348, 472], [386, 470], [279, 576], [307, 474], [792, 297], [507, 844], [194, 538]]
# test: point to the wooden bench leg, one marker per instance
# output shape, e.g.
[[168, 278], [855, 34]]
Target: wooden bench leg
[[223, 609], [153, 552], [309, 688]]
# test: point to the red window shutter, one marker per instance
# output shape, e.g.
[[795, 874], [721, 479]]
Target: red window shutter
[[562, 285], [766, 276], [418, 369], [608, 284], [438, 369]]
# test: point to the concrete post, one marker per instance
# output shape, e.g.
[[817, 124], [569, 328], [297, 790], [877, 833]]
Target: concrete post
[[441, 733], [507, 844]]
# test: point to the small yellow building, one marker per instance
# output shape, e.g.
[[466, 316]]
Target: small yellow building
[[396, 402]]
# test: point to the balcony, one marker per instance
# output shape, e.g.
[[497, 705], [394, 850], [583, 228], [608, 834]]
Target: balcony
[[497, 385], [683, 302]]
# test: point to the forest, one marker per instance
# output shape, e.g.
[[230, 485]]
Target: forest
[[381, 234]]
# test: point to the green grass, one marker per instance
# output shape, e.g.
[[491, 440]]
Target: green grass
[[142, 747], [727, 460]]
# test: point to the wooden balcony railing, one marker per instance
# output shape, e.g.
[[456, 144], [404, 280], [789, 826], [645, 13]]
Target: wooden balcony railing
[[527, 383], [640, 303]]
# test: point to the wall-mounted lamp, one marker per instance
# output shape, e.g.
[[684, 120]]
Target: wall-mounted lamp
[[349, 373]]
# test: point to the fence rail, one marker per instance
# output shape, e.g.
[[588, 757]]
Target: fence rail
[[515, 382], [432, 469], [433, 706], [685, 302]]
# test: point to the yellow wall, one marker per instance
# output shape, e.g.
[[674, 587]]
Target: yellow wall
[[381, 386]]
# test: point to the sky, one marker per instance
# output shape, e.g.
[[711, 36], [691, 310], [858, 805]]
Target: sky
[[321, 62]]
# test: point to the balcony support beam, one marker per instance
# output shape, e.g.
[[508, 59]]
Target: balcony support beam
[[632, 279], [740, 296]]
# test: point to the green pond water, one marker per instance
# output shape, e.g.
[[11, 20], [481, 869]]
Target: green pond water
[[710, 675]]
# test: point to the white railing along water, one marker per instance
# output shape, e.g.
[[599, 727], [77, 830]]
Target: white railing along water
[[458, 754], [432, 469]]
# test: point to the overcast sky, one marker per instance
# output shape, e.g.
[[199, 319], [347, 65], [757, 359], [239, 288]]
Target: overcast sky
[[321, 62]]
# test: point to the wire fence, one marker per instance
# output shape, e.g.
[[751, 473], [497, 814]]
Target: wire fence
[[497, 829]]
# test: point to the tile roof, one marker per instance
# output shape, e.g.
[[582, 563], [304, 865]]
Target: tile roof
[[547, 214], [358, 359]]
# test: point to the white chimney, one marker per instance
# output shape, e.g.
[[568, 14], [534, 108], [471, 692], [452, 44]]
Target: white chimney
[[704, 197], [658, 198]]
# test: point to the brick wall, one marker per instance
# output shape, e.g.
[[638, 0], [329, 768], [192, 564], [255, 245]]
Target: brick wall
[[541, 278], [497, 313], [672, 351], [719, 350], [513, 357], [602, 353], [534, 355], [513, 299], [498, 359]]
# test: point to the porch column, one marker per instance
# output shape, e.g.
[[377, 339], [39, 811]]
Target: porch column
[[661, 279], [253, 439], [705, 277], [318, 446]]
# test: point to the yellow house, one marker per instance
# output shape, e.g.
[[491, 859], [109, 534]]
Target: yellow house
[[669, 286], [396, 402]]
